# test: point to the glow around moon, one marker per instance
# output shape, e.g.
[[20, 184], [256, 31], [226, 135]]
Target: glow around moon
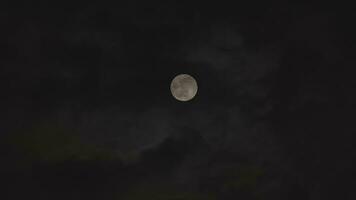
[[184, 87]]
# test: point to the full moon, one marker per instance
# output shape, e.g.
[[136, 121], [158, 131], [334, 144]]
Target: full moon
[[184, 87]]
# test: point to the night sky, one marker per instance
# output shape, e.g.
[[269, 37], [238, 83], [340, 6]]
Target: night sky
[[87, 112]]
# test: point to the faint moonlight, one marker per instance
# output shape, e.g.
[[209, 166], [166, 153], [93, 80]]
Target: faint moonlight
[[184, 87]]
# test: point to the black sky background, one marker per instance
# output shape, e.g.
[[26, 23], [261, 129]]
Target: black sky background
[[87, 112]]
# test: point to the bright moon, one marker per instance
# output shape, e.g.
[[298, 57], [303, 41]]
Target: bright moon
[[184, 87]]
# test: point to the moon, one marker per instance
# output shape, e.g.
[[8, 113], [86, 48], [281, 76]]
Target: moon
[[184, 87]]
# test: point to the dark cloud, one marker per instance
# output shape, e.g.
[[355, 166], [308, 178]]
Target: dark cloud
[[272, 116]]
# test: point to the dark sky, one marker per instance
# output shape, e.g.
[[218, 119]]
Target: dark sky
[[86, 110]]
